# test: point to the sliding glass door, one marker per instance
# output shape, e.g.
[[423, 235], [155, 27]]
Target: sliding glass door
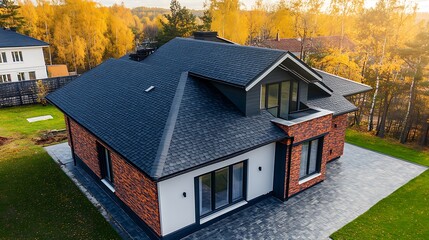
[[221, 188]]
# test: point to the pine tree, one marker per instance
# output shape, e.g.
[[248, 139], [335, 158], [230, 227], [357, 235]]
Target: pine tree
[[9, 15], [180, 23]]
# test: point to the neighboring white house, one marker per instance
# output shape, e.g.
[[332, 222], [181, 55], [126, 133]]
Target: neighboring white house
[[21, 57]]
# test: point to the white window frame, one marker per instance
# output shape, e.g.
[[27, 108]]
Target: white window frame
[[3, 57], [21, 76], [17, 56], [29, 75], [5, 78]]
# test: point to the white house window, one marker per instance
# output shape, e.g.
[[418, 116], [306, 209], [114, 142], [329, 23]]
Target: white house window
[[310, 158], [105, 165], [17, 56], [21, 76], [3, 58], [281, 98], [32, 75], [221, 188], [5, 78]]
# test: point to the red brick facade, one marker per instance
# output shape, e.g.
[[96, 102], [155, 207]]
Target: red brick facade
[[333, 140], [337, 137], [134, 188]]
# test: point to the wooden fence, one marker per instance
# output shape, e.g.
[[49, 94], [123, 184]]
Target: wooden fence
[[25, 92]]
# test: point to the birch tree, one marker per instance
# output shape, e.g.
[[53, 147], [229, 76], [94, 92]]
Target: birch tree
[[416, 56]]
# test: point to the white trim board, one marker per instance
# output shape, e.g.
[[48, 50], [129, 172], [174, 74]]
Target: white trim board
[[276, 64]]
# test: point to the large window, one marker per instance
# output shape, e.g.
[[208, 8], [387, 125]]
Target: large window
[[5, 78], [310, 158], [221, 188], [105, 164], [3, 58], [280, 99], [17, 56]]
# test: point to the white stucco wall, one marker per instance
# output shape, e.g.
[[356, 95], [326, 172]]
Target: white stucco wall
[[33, 60], [178, 212]]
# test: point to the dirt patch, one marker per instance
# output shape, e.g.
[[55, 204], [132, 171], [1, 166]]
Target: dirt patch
[[52, 136], [4, 140]]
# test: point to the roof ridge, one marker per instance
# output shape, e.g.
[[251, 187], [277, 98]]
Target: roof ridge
[[167, 135], [236, 45]]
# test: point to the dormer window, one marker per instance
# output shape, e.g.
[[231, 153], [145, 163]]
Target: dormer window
[[280, 98]]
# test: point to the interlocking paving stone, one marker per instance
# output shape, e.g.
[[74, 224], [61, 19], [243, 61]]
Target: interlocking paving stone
[[354, 183]]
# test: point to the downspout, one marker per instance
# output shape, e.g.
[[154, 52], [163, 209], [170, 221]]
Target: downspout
[[288, 167]]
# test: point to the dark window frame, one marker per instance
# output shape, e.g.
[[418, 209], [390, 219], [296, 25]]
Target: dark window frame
[[105, 161], [230, 184], [279, 96], [318, 159]]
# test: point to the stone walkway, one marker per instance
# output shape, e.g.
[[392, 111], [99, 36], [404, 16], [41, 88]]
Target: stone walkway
[[354, 183]]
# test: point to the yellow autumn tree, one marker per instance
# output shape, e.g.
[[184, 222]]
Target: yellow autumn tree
[[69, 47], [258, 20], [281, 21], [229, 20], [121, 38]]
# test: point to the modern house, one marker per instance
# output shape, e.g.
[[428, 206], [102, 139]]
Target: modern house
[[198, 130], [21, 57]]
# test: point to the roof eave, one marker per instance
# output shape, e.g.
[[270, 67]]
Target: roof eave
[[358, 92], [219, 159]]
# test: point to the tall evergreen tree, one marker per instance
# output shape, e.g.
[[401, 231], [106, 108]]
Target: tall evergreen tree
[[9, 15], [180, 23]]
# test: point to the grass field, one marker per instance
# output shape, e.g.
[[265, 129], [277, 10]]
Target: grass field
[[402, 215], [37, 200]]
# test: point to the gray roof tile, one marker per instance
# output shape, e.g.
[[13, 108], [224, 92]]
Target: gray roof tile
[[342, 86], [230, 63], [10, 38], [184, 122]]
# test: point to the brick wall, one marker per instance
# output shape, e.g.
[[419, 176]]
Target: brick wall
[[137, 191], [302, 132], [337, 137], [85, 147], [134, 188]]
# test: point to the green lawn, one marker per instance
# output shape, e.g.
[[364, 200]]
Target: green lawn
[[402, 215], [37, 200], [387, 146]]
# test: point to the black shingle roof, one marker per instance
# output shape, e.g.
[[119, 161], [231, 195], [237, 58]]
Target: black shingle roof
[[10, 38], [97, 100], [229, 63], [209, 127], [167, 129], [342, 86], [184, 122], [335, 103]]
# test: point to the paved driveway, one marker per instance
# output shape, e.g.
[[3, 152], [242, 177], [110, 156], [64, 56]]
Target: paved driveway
[[354, 183]]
